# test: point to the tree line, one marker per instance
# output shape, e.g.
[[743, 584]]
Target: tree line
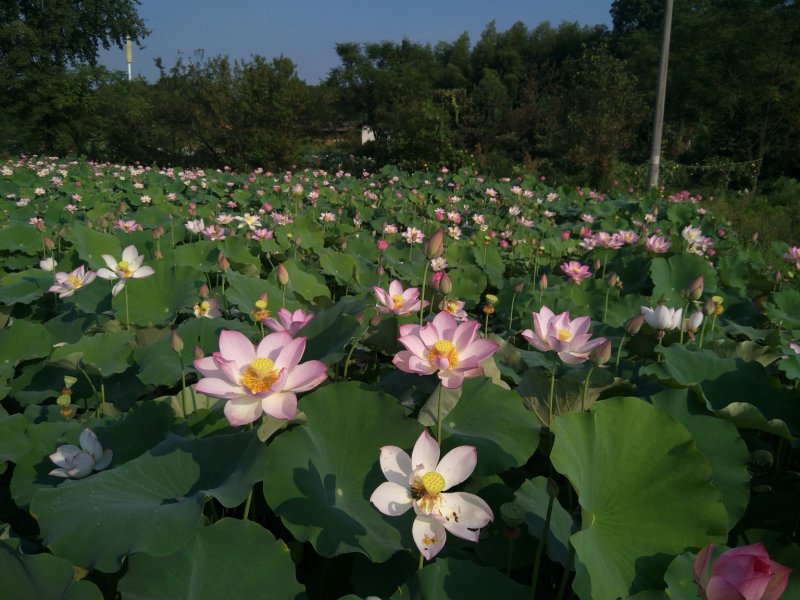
[[568, 99]]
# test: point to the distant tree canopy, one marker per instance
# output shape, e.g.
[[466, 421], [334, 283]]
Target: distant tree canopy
[[574, 100]]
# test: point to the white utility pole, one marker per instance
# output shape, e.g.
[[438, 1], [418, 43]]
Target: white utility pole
[[129, 56], [661, 93]]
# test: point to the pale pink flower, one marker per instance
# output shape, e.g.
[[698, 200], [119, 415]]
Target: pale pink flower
[[197, 226], [455, 308], [793, 255], [389, 229], [569, 339], [745, 573], [327, 217], [258, 379], [67, 283], [421, 481], [252, 222], [657, 244], [413, 235], [397, 300], [208, 309], [576, 271], [263, 234], [130, 267], [214, 233], [75, 463], [662, 317], [126, 226], [608, 240], [289, 321], [452, 350]]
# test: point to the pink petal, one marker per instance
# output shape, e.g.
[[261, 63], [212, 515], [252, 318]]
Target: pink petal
[[425, 455], [306, 376], [281, 406], [464, 334], [408, 363], [446, 325], [270, 347], [414, 345], [273, 325], [479, 349], [208, 367], [396, 465], [452, 379], [241, 411], [234, 345], [290, 354], [457, 465], [391, 499], [395, 289], [219, 388], [429, 536]]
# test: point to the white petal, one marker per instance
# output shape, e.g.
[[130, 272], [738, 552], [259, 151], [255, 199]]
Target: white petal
[[81, 467], [396, 465], [429, 535], [118, 287], [129, 254], [104, 461], [425, 455], [472, 511], [143, 272], [64, 455], [457, 465], [110, 261], [91, 444], [391, 499]]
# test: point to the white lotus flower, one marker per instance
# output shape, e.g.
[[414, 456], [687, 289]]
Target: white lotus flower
[[130, 267], [76, 463]]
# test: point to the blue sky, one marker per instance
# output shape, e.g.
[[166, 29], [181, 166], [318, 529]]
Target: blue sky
[[307, 31]]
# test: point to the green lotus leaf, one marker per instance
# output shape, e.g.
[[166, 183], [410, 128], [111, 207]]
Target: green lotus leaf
[[645, 491], [783, 309], [496, 422], [332, 330], [245, 290], [341, 266], [305, 282], [19, 238], [24, 287], [28, 576], [152, 504], [533, 498], [23, 340], [13, 442], [92, 244], [239, 250], [200, 255], [158, 298], [720, 442], [322, 474], [448, 578], [671, 276], [469, 283], [106, 353], [229, 555]]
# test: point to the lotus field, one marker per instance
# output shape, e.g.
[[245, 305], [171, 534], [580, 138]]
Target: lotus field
[[430, 385]]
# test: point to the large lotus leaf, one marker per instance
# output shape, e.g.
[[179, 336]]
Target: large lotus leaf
[[26, 577], [722, 445], [13, 442], [107, 353], [136, 431], [152, 504], [305, 283], [308, 233], [533, 498], [496, 422], [784, 309], [94, 299], [686, 367], [341, 266], [200, 255], [24, 340], [245, 290], [239, 250], [24, 287], [489, 259], [645, 491], [91, 245], [322, 474], [671, 276], [448, 578], [331, 331], [230, 555], [20, 238], [469, 283], [158, 298]]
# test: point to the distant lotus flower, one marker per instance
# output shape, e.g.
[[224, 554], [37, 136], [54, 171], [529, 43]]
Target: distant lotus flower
[[289, 321], [75, 463], [420, 481], [445, 347], [67, 283], [397, 300], [608, 240], [576, 271], [126, 226], [48, 264], [793, 256], [657, 244], [663, 318], [745, 573], [258, 379], [130, 267], [438, 264], [208, 309], [382, 245], [250, 221], [692, 324], [557, 333], [413, 235]]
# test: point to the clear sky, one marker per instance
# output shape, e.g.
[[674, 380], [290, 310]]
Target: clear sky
[[307, 31]]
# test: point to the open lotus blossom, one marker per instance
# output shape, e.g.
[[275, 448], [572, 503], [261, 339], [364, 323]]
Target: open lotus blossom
[[130, 267], [455, 308], [662, 317], [444, 346], [289, 321], [421, 481], [793, 256], [196, 226], [745, 573], [576, 271], [67, 283], [75, 463], [397, 300], [258, 379], [657, 244], [207, 309], [557, 333]]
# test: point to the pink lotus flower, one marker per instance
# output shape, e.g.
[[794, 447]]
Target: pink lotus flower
[[420, 481], [292, 322], [444, 346], [397, 300], [793, 255], [745, 573], [568, 339], [657, 244], [455, 308], [258, 379], [576, 271], [67, 283]]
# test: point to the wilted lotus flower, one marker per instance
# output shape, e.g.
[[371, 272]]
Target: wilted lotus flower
[[745, 573], [291, 322], [258, 379], [663, 318], [397, 300], [75, 463], [67, 283], [420, 481], [444, 346], [130, 267], [569, 339]]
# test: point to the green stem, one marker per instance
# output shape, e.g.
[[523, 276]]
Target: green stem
[[619, 353], [605, 306], [283, 296], [552, 393], [586, 388], [246, 514], [703, 332], [127, 314], [102, 397], [683, 319], [422, 296], [89, 380], [421, 562], [562, 588], [540, 548], [439, 416], [605, 262], [511, 315], [486, 326]]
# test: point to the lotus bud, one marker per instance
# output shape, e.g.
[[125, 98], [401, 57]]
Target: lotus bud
[[512, 514], [102, 221], [375, 321], [543, 282], [297, 189], [283, 275], [565, 235], [158, 232], [204, 292], [157, 254], [434, 245], [597, 264], [552, 488], [519, 287], [48, 243], [445, 285], [222, 262], [436, 278], [380, 270], [177, 342], [755, 237], [695, 289], [708, 307], [612, 280], [633, 325], [382, 245], [601, 354], [198, 352]]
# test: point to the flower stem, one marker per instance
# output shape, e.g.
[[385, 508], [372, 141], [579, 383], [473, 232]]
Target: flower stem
[[703, 332], [486, 326], [511, 312], [283, 296], [619, 353], [510, 556], [540, 548], [605, 306], [586, 388], [439, 416], [421, 562], [552, 394], [683, 319], [422, 295], [562, 588], [127, 314]]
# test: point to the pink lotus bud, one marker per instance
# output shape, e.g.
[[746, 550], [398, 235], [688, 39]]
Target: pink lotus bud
[[565, 235], [519, 287], [597, 264], [633, 326], [158, 232], [198, 352], [48, 243], [445, 285], [695, 289], [283, 275], [436, 278], [380, 270], [222, 262], [543, 282], [434, 245], [746, 572], [375, 321], [157, 254], [177, 342], [382, 245], [755, 237], [204, 292], [612, 280], [601, 354]]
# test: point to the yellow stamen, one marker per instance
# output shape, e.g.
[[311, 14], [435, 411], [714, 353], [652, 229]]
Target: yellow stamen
[[444, 349], [124, 269], [76, 283], [397, 301], [259, 375], [564, 335], [451, 307], [433, 482], [428, 540]]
